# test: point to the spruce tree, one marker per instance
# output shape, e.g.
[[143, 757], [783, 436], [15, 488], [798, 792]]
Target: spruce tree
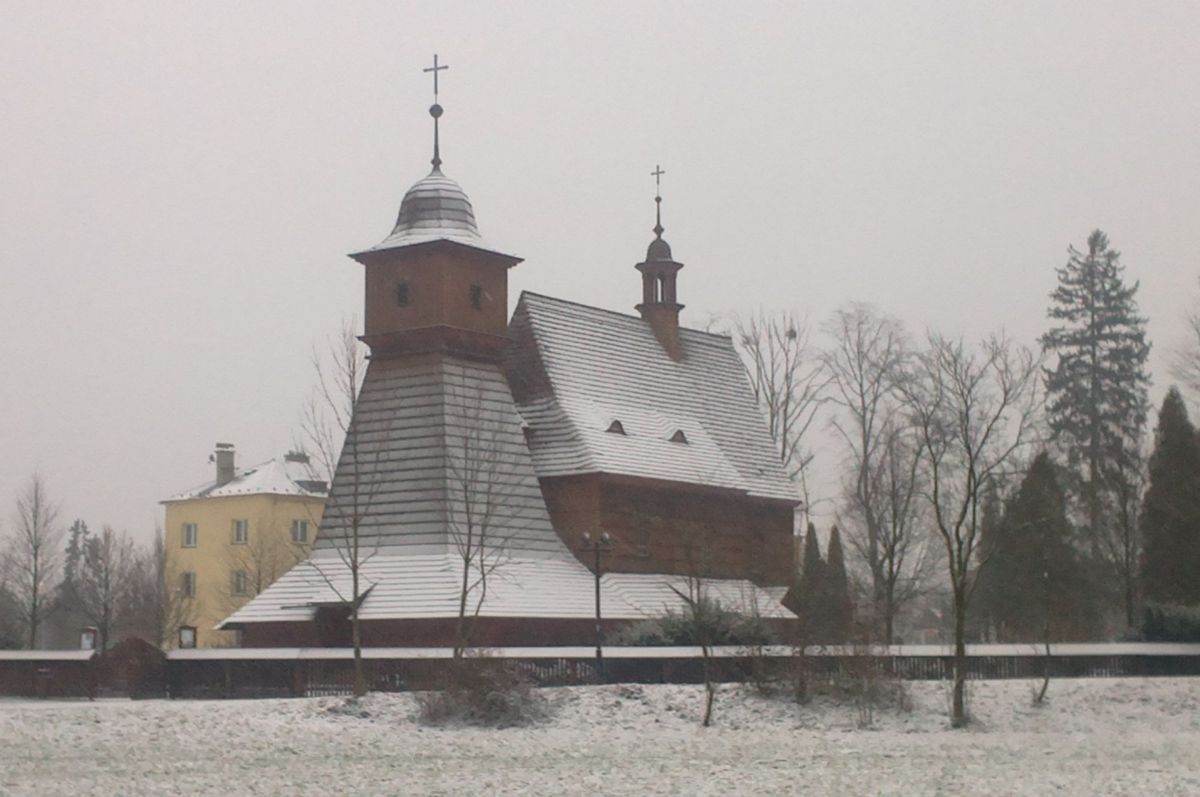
[[1036, 577], [989, 589], [839, 606], [807, 598], [1096, 392], [1170, 519]]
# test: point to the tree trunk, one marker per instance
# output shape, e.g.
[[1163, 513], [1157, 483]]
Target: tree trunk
[[958, 716], [709, 689], [360, 681]]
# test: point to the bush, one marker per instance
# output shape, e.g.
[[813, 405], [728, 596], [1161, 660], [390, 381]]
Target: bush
[[480, 691], [1167, 622], [721, 627]]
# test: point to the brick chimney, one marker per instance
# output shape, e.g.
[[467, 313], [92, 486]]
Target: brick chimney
[[223, 456]]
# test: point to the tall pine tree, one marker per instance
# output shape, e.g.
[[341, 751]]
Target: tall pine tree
[[1097, 402], [1170, 521]]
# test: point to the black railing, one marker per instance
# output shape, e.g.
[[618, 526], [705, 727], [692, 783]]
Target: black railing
[[311, 675]]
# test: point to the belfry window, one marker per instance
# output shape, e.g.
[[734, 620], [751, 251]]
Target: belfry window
[[402, 294], [615, 428], [679, 437], [477, 297]]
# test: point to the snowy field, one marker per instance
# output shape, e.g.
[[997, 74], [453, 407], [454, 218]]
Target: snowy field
[[1095, 736]]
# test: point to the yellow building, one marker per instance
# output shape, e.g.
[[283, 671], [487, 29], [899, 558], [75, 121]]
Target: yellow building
[[228, 539]]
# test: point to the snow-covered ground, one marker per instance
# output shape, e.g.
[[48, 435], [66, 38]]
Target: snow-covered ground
[[1095, 736]]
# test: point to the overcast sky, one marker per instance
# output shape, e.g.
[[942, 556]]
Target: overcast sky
[[181, 183]]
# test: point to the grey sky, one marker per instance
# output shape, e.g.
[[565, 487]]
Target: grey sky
[[180, 185]]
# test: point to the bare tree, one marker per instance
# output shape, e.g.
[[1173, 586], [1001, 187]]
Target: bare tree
[[102, 587], [974, 413], [788, 382], [901, 544], [480, 515], [1185, 359], [864, 362], [256, 564], [157, 603], [342, 448], [32, 555]]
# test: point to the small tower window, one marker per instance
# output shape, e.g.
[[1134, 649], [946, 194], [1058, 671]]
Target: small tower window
[[477, 297], [679, 437], [402, 294], [615, 428]]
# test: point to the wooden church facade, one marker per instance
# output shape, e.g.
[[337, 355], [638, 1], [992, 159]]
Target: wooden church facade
[[520, 436]]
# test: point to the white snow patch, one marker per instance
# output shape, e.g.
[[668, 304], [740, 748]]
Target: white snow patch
[[1096, 736]]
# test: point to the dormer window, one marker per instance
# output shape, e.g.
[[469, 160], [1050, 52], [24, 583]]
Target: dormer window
[[477, 297], [615, 428], [679, 437], [402, 297]]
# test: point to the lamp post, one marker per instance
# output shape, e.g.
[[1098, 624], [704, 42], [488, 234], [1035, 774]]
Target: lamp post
[[596, 546]]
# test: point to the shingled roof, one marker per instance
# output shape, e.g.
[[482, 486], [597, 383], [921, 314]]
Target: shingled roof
[[575, 370], [406, 585]]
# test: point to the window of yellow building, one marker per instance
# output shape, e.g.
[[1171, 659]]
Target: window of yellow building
[[299, 531], [241, 532], [190, 535]]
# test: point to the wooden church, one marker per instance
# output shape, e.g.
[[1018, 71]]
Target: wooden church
[[493, 464]]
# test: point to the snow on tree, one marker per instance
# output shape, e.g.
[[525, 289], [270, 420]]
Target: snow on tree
[[1097, 398], [1170, 519]]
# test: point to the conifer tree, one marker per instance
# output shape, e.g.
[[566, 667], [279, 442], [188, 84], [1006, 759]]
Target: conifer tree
[[989, 588], [1096, 393], [808, 601], [1036, 579], [1170, 520], [839, 607]]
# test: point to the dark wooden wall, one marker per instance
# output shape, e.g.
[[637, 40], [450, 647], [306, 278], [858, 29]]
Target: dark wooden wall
[[658, 527]]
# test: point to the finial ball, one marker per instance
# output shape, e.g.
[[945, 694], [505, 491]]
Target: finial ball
[[435, 110]]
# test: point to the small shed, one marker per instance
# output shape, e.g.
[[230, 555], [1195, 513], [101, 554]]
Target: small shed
[[48, 673]]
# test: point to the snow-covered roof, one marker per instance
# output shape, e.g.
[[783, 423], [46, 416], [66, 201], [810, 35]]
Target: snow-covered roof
[[46, 655], [435, 208], [408, 585], [670, 652], [280, 476], [576, 369]]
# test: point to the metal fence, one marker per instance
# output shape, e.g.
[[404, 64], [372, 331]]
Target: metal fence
[[323, 672]]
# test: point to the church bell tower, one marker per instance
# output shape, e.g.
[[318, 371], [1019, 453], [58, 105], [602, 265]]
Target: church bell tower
[[660, 306], [434, 284]]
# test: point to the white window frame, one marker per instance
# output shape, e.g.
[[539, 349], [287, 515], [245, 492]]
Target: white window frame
[[188, 587], [190, 534], [300, 526], [241, 582], [244, 527]]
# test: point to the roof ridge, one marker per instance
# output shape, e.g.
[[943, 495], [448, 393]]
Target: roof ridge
[[617, 313]]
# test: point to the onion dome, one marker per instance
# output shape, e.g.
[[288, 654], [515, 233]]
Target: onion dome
[[435, 208], [658, 250]]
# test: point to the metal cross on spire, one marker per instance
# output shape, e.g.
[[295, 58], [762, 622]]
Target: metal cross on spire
[[657, 175], [435, 110], [435, 69]]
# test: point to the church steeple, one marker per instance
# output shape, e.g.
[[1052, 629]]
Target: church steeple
[[659, 306], [433, 284]]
